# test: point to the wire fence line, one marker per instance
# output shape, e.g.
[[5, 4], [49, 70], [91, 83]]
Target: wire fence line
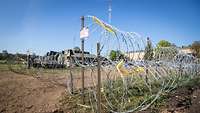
[[128, 83]]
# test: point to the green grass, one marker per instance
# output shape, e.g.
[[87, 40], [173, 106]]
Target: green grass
[[192, 83], [3, 61], [137, 93], [4, 67], [22, 69]]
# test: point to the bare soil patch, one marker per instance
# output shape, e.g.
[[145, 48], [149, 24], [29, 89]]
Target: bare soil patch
[[27, 94], [46, 93]]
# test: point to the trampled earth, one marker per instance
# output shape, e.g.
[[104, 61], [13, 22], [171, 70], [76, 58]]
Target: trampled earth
[[20, 93]]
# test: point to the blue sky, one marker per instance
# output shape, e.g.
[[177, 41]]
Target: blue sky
[[43, 25]]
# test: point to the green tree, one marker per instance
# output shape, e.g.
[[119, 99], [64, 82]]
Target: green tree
[[164, 43], [196, 48], [113, 55], [116, 55], [148, 50], [165, 50], [165, 53]]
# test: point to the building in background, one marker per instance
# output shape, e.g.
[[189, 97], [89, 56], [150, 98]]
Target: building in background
[[135, 55], [186, 50]]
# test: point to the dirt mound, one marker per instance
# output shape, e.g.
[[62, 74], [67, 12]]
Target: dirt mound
[[184, 100]]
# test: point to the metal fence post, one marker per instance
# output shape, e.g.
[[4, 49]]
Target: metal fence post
[[99, 79], [82, 56], [71, 76], [28, 61]]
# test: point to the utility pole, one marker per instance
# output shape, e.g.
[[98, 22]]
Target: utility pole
[[82, 56], [109, 11]]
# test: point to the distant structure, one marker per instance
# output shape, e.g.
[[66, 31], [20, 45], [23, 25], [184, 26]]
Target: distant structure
[[52, 59], [5, 52], [135, 55], [139, 55], [74, 55], [62, 59], [186, 50], [109, 11]]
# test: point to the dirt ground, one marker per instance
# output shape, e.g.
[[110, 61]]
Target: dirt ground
[[184, 100], [27, 94], [20, 93], [38, 91]]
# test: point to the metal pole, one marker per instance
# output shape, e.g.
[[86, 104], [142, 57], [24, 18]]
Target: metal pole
[[71, 76], [28, 59], [99, 79], [82, 56], [180, 68], [147, 74]]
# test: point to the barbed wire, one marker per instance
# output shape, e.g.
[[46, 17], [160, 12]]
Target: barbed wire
[[156, 77]]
